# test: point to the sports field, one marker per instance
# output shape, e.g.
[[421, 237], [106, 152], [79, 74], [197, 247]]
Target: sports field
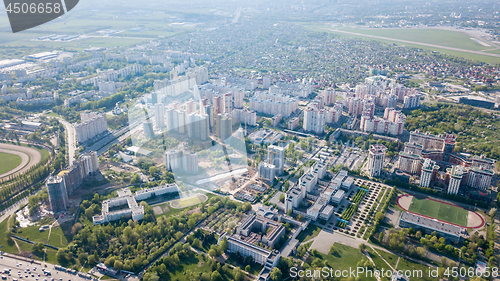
[[440, 211], [8, 162], [189, 201]]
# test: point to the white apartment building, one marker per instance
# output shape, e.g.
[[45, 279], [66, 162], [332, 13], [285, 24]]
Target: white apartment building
[[273, 104], [428, 172], [456, 174], [93, 124], [159, 116], [479, 178], [376, 159], [314, 120]]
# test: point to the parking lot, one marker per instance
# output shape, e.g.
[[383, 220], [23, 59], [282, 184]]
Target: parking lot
[[21, 269]]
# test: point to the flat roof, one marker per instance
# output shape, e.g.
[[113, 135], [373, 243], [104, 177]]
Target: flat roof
[[432, 224], [139, 150]]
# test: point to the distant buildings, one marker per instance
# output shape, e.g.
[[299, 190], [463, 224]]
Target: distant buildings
[[224, 126], [392, 124], [293, 123], [376, 157], [147, 128], [273, 104], [265, 136], [92, 124], [423, 151], [159, 115], [181, 161]]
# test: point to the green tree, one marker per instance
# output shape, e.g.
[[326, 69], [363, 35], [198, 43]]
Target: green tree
[[216, 276], [135, 179], [248, 268], [238, 274], [37, 248], [212, 252], [276, 274]]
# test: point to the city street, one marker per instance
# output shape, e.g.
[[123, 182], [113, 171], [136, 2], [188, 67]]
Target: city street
[[70, 140]]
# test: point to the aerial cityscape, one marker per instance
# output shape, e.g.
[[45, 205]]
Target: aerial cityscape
[[264, 140]]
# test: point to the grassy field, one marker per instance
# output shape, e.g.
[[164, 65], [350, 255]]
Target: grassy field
[[467, 46], [447, 38], [344, 258], [194, 264], [439, 211], [9, 162], [189, 201], [310, 232], [414, 268]]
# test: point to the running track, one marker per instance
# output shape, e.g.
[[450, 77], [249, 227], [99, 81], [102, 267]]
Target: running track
[[429, 198], [29, 156]]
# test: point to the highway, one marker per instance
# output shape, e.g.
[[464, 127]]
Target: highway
[[70, 140], [18, 265]]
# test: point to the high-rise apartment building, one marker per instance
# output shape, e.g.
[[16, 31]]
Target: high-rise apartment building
[[428, 172], [147, 128], [159, 115], [276, 156], [314, 120], [376, 159], [92, 124], [224, 126], [58, 196], [456, 174]]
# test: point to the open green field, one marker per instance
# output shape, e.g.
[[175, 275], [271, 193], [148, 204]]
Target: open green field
[[9, 162], [189, 201], [447, 38], [310, 232], [415, 269], [418, 35], [439, 211], [344, 258]]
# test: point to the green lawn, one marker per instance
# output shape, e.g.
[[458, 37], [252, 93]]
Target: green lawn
[[189, 201], [57, 238], [344, 258], [9, 162], [194, 265], [440, 211], [379, 262], [392, 259], [310, 232], [409, 265]]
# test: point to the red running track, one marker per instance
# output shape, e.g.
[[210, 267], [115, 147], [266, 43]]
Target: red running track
[[428, 198]]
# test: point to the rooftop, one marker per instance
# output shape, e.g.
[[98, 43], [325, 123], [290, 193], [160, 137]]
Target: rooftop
[[432, 224]]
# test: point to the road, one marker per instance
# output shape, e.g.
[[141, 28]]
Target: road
[[29, 157], [10, 261], [70, 140], [419, 43]]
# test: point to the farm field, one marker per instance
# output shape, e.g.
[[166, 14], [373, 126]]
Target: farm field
[[440, 211]]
